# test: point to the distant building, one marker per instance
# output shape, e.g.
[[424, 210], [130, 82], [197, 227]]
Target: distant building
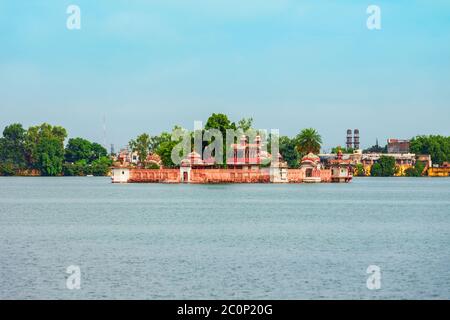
[[246, 164], [403, 161], [356, 139], [126, 157], [397, 146], [349, 139], [352, 141], [440, 171], [341, 170]]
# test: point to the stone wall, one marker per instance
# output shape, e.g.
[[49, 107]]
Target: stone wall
[[155, 175], [295, 175], [218, 175], [229, 176], [325, 175]]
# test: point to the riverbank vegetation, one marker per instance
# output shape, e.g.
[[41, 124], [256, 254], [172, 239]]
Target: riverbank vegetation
[[40, 150]]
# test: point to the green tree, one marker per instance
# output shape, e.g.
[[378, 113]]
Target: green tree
[[289, 152], [245, 124], [50, 153], [163, 145], [415, 171], [12, 149], [142, 146], [359, 170], [419, 167], [385, 167], [84, 158], [7, 169], [343, 150], [222, 123], [81, 149], [79, 168], [376, 170], [435, 145], [152, 165], [97, 151], [376, 148], [74, 169], [165, 152], [155, 141], [101, 166], [308, 140], [78, 149], [44, 148]]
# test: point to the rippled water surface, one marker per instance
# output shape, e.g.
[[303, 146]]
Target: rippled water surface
[[160, 241]]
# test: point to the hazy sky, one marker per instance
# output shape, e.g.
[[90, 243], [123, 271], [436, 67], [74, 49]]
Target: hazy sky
[[147, 65]]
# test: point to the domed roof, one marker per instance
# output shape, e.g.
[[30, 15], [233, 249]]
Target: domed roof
[[192, 158], [265, 155], [154, 158], [311, 157]]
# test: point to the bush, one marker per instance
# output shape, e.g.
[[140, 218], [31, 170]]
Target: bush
[[7, 169], [385, 167], [376, 170], [359, 170], [411, 172], [79, 168], [415, 171], [100, 167], [151, 165]]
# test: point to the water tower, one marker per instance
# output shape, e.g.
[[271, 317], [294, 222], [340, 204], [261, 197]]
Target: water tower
[[349, 138], [356, 139]]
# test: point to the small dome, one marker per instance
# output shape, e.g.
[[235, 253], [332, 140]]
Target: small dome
[[265, 155], [192, 158], [193, 154], [311, 157], [154, 158]]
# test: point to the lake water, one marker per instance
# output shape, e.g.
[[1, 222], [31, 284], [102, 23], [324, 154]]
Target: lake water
[[260, 241]]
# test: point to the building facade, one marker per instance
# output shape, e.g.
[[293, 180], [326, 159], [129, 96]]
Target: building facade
[[247, 165], [396, 146]]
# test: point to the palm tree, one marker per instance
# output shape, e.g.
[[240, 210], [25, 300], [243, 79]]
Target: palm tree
[[308, 140]]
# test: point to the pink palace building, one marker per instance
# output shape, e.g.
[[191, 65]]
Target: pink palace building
[[249, 164]]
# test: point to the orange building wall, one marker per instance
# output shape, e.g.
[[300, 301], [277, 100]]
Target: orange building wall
[[439, 172], [229, 176], [155, 175], [295, 175], [218, 175], [325, 175]]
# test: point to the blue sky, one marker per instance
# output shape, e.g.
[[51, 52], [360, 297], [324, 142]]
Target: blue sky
[[147, 65]]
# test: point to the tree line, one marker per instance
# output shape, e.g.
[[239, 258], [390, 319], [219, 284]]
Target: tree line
[[291, 149], [40, 150]]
